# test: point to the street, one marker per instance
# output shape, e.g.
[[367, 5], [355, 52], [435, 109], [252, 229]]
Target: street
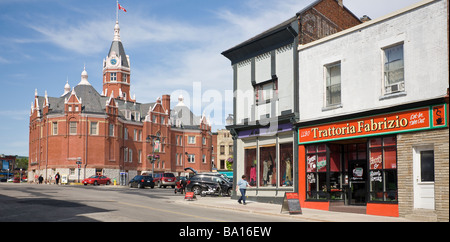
[[52, 203]]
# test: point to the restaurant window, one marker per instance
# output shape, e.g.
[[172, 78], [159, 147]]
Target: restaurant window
[[336, 173], [250, 165], [383, 169], [286, 165], [316, 172], [268, 168]]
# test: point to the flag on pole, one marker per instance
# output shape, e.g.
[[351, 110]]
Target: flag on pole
[[121, 8]]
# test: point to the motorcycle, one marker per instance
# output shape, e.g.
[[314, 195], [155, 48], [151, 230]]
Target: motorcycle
[[213, 190]]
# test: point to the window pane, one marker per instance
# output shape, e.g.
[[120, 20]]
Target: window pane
[[322, 163], [268, 166], [376, 159], [250, 166], [391, 140], [286, 164], [390, 158], [393, 66], [427, 166], [311, 149], [375, 142], [311, 163]]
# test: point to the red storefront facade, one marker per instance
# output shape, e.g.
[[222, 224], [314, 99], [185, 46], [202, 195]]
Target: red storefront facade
[[354, 164]]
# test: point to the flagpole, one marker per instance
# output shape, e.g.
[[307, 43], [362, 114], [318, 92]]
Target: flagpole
[[117, 11]]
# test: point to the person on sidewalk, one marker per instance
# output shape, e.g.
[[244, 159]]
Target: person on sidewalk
[[243, 184]]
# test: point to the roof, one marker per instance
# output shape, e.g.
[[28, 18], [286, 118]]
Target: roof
[[275, 37], [117, 47]]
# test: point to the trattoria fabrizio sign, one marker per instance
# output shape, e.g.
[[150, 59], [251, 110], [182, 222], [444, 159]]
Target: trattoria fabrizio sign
[[404, 121]]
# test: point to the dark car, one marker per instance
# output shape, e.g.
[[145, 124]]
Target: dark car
[[141, 181], [164, 179], [201, 182]]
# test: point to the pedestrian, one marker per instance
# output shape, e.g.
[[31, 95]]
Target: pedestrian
[[243, 184], [57, 178], [41, 179], [183, 185]]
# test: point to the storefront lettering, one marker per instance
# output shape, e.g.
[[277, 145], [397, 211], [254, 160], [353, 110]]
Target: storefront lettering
[[376, 176], [375, 162], [428, 117], [360, 127]]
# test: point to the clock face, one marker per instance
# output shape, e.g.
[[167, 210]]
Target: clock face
[[113, 61]]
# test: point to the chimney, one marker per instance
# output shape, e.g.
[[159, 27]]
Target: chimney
[[365, 18], [341, 3], [166, 102]]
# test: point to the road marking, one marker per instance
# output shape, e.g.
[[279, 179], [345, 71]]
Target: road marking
[[168, 211]]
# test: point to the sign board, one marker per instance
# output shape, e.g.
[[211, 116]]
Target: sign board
[[291, 203], [431, 117], [189, 196], [64, 179]]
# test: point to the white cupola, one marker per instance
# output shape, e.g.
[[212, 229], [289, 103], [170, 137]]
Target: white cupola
[[84, 78]]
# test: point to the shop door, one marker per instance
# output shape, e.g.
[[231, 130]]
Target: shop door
[[424, 178], [357, 182]]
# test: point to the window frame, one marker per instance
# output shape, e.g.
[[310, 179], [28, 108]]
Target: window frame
[[328, 80], [386, 83]]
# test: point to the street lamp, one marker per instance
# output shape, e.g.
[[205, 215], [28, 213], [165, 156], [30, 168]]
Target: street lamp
[[152, 157]]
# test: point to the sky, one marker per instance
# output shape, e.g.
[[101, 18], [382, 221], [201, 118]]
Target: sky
[[174, 46]]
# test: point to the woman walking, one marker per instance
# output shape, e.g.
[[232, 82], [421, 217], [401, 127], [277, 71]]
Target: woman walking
[[243, 184]]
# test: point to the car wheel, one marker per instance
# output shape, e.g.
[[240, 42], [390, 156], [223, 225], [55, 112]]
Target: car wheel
[[152, 187], [95, 183], [108, 182], [129, 184], [85, 184], [159, 184], [173, 186], [229, 192], [139, 185], [197, 190]]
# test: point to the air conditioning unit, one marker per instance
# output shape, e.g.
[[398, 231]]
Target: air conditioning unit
[[397, 87]]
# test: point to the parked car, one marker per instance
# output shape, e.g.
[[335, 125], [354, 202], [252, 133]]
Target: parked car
[[202, 182], [164, 179], [141, 181], [96, 180]]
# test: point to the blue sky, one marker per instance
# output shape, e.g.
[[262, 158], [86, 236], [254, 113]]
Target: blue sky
[[174, 48]]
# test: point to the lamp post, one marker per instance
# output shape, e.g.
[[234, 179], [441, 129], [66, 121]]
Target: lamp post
[[152, 157]]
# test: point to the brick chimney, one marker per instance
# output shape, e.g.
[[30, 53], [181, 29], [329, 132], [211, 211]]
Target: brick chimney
[[166, 102]]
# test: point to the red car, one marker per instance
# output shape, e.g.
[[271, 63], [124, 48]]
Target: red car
[[164, 179], [97, 180]]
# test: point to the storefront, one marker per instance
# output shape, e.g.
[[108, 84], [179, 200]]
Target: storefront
[[268, 162], [362, 164]]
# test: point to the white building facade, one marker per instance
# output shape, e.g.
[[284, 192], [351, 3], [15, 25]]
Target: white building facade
[[373, 127]]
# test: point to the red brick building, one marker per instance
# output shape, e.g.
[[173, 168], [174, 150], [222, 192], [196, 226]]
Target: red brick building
[[82, 132]]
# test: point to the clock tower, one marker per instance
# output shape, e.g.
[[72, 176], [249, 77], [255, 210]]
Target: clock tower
[[116, 70]]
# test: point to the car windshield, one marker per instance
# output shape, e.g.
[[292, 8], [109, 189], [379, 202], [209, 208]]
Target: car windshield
[[93, 177]]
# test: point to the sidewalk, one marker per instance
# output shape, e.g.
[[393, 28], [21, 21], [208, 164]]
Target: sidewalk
[[310, 215]]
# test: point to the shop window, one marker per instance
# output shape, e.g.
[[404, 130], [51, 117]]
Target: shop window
[[250, 166], [286, 164], [383, 169], [316, 172], [268, 166], [336, 191]]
